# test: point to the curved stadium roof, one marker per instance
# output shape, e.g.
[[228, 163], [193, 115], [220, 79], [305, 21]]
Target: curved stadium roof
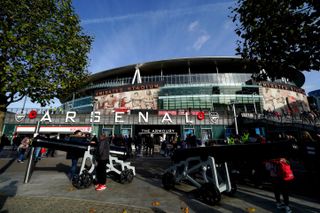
[[201, 64], [207, 64]]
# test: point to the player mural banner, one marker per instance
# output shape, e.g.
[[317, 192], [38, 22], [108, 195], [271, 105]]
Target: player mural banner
[[284, 101], [127, 98]]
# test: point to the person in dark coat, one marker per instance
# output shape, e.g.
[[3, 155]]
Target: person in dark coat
[[4, 142], [102, 157], [74, 155], [16, 141]]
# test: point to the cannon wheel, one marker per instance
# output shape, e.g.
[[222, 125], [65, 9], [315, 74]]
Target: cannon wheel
[[168, 180], [129, 175], [210, 194], [77, 181], [234, 189], [126, 176], [123, 176], [87, 178], [84, 180]]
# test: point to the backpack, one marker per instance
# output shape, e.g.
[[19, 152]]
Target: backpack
[[284, 170]]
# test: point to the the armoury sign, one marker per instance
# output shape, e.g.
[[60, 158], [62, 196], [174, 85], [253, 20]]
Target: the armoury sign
[[157, 131], [143, 117]]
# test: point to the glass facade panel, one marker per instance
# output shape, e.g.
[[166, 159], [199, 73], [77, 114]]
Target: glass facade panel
[[81, 104], [214, 78]]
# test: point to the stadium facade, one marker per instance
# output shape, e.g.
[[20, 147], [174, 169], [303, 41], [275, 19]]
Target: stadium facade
[[201, 96]]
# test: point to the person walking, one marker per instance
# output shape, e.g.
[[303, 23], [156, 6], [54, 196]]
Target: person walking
[[16, 141], [73, 154], [281, 177], [22, 149], [102, 157]]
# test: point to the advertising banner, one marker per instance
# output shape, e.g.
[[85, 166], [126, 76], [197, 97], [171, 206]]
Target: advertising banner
[[125, 99], [284, 101]]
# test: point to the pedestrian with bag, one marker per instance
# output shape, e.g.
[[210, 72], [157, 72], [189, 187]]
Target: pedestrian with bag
[[281, 177], [102, 157]]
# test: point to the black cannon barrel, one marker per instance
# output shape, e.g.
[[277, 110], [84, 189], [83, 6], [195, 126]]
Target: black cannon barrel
[[237, 152], [71, 144], [118, 149]]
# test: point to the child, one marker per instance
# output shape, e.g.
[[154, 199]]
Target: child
[[281, 177]]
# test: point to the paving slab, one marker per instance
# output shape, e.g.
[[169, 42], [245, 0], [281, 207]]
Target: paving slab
[[50, 190]]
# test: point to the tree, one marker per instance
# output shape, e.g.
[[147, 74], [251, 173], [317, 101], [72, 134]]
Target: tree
[[281, 36], [43, 51]]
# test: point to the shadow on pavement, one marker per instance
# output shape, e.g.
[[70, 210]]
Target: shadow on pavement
[[60, 167], [7, 165], [264, 201], [257, 198], [11, 190], [151, 169], [157, 210]]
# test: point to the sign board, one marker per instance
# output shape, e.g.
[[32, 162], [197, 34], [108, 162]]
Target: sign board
[[53, 129]]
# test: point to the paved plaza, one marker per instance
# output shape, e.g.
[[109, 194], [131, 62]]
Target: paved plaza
[[50, 190]]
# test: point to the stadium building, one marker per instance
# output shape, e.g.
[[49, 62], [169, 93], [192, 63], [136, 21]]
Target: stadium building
[[202, 96]]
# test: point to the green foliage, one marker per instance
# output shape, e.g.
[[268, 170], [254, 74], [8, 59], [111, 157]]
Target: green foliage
[[281, 36], [43, 52]]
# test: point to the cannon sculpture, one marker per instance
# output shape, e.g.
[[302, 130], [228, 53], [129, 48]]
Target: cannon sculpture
[[84, 179], [206, 167]]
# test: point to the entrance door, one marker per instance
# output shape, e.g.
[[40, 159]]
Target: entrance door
[[126, 132], [187, 131], [206, 135], [108, 131]]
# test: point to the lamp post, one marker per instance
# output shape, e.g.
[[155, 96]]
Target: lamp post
[[167, 101], [235, 116], [254, 102], [24, 104], [93, 114]]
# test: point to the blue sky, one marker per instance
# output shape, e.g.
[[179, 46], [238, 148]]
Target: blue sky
[[136, 31]]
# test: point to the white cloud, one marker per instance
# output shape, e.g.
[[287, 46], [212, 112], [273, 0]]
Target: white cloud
[[228, 25], [201, 35], [193, 25], [165, 13], [156, 35], [201, 41]]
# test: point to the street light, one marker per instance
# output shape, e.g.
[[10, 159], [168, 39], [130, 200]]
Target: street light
[[167, 101], [93, 114], [235, 116], [254, 102]]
